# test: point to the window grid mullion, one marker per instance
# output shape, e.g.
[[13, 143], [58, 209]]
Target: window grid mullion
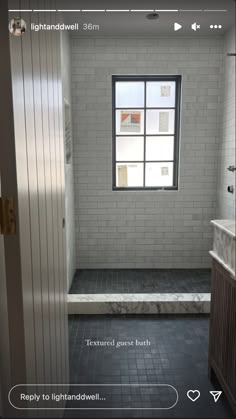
[[144, 139], [151, 108], [141, 161], [147, 135]]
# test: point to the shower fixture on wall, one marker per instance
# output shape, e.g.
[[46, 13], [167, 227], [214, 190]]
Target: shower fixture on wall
[[231, 168]]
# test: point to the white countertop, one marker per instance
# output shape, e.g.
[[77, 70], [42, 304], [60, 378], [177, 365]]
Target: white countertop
[[226, 225], [224, 244]]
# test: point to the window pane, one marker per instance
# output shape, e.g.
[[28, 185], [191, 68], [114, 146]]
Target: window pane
[[161, 94], [159, 174], [129, 148], [129, 175], [159, 148], [130, 94], [129, 122], [160, 121]]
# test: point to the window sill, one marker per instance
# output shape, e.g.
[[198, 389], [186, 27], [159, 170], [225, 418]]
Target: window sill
[[166, 188]]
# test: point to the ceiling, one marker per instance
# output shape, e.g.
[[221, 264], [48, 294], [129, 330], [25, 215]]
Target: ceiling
[[135, 23]]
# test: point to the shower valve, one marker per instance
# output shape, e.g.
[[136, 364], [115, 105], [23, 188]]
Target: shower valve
[[231, 168]]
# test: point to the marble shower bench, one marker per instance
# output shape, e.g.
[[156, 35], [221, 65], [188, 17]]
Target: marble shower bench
[[139, 303]]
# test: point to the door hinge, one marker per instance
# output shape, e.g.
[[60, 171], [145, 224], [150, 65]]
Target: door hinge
[[7, 216]]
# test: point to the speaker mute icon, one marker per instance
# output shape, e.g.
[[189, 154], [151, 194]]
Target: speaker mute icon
[[216, 395], [195, 26]]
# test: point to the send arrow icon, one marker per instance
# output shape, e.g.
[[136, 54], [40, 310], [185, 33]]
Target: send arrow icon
[[216, 395]]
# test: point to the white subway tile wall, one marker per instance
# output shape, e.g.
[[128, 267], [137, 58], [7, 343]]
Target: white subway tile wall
[[143, 229], [226, 200]]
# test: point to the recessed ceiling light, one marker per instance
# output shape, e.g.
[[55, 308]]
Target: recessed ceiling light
[[152, 16]]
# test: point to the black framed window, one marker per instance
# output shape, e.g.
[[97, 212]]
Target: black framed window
[[146, 119]]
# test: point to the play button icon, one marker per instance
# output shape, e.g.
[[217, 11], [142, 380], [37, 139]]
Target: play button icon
[[177, 26]]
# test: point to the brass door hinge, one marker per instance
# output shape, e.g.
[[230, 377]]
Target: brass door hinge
[[7, 216]]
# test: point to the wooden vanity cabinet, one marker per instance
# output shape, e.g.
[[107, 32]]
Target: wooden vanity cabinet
[[222, 344]]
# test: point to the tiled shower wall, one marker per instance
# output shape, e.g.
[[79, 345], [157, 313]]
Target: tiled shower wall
[[157, 229], [226, 200]]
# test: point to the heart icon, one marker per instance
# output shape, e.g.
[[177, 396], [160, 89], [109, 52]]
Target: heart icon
[[193, 395]]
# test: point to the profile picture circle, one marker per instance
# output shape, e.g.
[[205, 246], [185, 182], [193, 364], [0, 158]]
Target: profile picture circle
[[17, 26]]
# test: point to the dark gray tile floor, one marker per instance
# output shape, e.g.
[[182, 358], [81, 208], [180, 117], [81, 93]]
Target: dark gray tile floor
[[177, 355], [114, 281]]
